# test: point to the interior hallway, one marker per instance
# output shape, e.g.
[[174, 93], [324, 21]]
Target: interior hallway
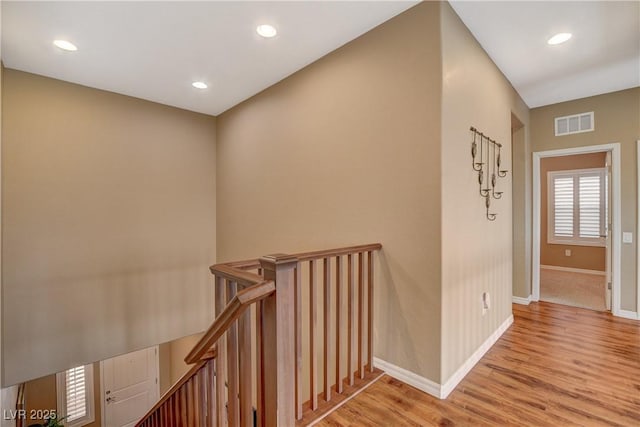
[[556, 365]]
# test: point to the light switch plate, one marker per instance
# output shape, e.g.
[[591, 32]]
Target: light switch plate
[[627, 237]]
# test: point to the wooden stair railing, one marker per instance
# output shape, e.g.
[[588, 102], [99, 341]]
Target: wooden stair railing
[[248, 366]]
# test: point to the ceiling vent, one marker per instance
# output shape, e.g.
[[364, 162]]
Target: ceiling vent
[[576, 123]]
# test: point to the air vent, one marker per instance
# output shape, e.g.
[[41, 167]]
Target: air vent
[[577, 123]]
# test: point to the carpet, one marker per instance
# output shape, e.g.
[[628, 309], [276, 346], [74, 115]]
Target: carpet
[[575, 289]]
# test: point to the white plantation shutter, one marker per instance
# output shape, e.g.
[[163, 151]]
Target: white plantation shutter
[[577, 207], [76, 393], [563, 190], [75, 396], [590, 206]]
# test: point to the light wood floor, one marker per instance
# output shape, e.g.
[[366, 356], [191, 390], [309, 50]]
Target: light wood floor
[[556, 366]]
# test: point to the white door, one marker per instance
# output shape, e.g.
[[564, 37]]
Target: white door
[[608, 233], [130, 384]]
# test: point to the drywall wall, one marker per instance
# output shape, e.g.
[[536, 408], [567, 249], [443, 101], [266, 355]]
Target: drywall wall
[[476, 253], [108, 224], [584, 257], [179, 349], [347, 151], [41, 397], [617, 119]]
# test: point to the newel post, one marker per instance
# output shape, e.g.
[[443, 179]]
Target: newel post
[[278, 341]]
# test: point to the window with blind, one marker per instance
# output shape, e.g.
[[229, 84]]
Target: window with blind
[[75, 396], [577, 207]]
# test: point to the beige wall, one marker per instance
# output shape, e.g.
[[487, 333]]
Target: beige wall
[[347, 151], [179, 349], [585, 257], [476, 253], [109, 224], [617, 119], [41, 395]]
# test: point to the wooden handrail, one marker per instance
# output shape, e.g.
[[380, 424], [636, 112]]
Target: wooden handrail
[[243, 278], [231, 269], [232, 312], [308, 256], [219, 385]]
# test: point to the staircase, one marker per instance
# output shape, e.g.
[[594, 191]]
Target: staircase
[[281, 321]]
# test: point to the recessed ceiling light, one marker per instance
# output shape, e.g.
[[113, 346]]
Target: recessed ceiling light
[[65, 45], [266, 30], [559, 38], [199, 85]]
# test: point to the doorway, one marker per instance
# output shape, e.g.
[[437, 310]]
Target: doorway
[[579, 240], [130, 387]]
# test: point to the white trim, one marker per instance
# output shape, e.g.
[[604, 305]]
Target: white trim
[[638, 228], [408, 377], [520, 300], [463, 370], [573, 270], [627, 314], [335, 408], [433, 388], [616, 233]]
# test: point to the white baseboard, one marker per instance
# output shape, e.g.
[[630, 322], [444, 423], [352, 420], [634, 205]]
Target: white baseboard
[[433, 388], [463, 370], [573, 270], [415, 380], [626, 314], [520, 300]]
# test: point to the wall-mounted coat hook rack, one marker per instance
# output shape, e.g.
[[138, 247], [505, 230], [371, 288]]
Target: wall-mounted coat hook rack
[[486, 159]]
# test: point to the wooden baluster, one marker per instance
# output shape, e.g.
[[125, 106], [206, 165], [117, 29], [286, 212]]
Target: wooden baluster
[[370, 310], [360, 313], [164, 413], [191, 403], [202, 397], [196, 401], [350, 318], [313, 356], [246, 374], [338, 321], [279, 342], [221, 392], [326, 279], [176, 409], [232, 363], [260, 367], [298, 337], [183, 405]]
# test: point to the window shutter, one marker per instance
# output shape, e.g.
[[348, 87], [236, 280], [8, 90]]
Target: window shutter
[[590, 204], [75, 396], [563, 206], [76, 393]]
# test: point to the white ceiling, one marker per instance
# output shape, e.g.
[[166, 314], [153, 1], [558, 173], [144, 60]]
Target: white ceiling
[[602, 56], [155, 50]]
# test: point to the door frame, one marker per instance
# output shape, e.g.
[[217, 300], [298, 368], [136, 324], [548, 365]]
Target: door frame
[[103, 413], [616, 217], [637, 230]]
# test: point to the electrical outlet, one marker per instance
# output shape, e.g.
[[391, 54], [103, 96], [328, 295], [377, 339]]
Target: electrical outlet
[[486, 302], [567, 252]]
